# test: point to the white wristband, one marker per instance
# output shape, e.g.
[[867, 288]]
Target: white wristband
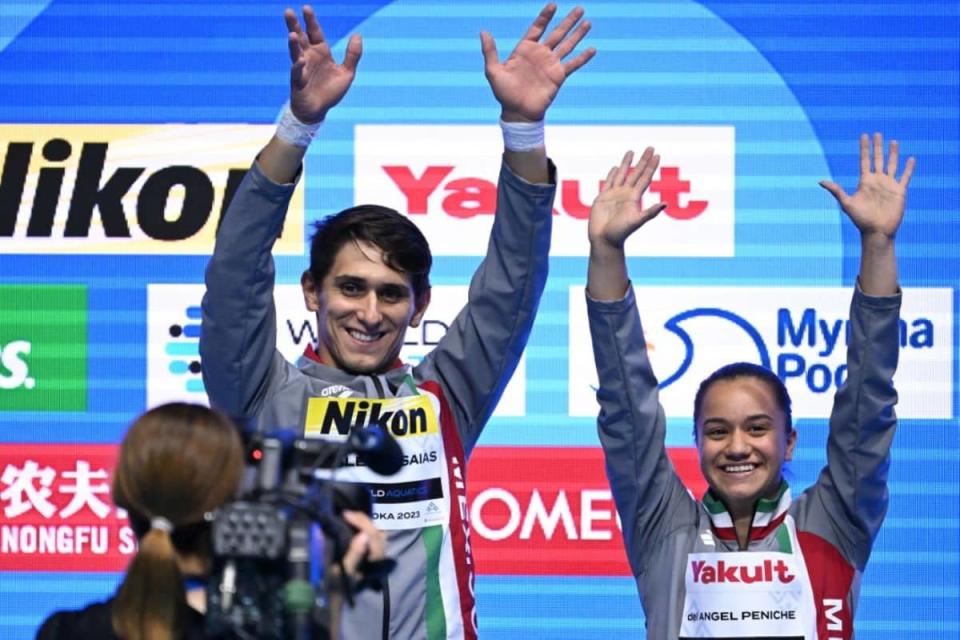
[[522, 136], [291, 130]]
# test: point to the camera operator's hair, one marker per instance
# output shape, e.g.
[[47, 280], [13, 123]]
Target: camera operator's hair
[[405, 249], [177, 462]]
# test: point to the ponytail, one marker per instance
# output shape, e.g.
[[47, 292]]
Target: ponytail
[[177, 463], [151, 602]]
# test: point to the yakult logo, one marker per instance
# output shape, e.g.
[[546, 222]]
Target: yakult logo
[[468, 197], [721, 571], [444, 178]]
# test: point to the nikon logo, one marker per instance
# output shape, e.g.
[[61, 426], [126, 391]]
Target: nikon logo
[[402, 417], [126, 189]]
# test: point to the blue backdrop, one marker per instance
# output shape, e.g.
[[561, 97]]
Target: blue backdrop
[[798, 80]]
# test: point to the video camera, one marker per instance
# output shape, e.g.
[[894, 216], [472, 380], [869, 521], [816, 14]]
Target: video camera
[[266, 547]]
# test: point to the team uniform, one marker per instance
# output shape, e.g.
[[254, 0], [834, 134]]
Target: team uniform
[[436, 409], [799, 577]]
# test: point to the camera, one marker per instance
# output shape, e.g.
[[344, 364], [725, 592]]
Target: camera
[[270, 545]]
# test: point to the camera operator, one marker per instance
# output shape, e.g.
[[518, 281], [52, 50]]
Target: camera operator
[[177, 463]]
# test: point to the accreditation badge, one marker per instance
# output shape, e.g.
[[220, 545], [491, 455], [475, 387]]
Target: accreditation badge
[[416, 496], [749, 594]]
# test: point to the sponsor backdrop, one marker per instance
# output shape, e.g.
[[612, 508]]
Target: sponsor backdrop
[[125, 127]]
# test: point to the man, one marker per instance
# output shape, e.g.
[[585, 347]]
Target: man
[[368, 282]]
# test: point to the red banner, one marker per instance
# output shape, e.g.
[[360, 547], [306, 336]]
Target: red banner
[[533, 510], [55, 509], [548, 511]]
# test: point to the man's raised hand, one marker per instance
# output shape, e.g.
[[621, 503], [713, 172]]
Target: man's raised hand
[[317, 82], [528, 81]]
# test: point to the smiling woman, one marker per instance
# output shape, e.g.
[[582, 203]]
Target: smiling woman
[[744, 435], [748, 561]]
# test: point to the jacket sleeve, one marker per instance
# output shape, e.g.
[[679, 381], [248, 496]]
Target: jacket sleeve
[[852, 488], [479, 352], [650, 498], [239, 331]]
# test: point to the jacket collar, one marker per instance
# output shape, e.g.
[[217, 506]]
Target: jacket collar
[[311, 354], [768, 515]]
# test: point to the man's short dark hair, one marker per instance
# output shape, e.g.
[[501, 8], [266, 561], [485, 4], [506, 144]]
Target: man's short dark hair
[[405, 249], [745, 370]]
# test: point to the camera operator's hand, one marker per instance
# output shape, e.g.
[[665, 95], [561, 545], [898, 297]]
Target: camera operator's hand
[[368, 545]]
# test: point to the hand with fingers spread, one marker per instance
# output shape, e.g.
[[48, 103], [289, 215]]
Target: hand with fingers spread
[[616, 213], [317, 82], [528, 81], [877, 206]]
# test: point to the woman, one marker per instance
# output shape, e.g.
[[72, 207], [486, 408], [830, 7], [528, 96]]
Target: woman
[[748, 561], [177, 463]]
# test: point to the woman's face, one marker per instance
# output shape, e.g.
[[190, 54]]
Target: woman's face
[[743, 442]]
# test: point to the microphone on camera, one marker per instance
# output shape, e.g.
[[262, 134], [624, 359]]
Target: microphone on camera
[[377, 448]]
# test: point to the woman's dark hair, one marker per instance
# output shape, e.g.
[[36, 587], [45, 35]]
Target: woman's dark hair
[[177, 462], [745, 370], [405, 249]]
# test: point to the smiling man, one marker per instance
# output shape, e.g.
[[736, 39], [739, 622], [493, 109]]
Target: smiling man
[[368, 282]]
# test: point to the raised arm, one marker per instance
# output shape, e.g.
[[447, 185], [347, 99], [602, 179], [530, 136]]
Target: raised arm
[[876, 208], [852, 489], [317, 84], [238, 340], [649, 496], [528, 81], [481, 349], [615, 215]]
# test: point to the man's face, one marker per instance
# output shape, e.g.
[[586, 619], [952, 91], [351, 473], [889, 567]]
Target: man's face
[[743, 442], [363, 310]]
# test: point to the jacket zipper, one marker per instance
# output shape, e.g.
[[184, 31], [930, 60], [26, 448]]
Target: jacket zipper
[[386, 581]]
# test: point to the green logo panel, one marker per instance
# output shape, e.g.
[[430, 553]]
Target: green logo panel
[[43, 348]]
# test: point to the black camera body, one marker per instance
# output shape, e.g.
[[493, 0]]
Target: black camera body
[[265, 545]]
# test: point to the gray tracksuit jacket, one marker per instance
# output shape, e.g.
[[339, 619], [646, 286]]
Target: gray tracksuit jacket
[[436, 409], [677, 546]]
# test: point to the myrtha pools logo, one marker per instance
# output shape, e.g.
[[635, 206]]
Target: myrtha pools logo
[[799, 333]]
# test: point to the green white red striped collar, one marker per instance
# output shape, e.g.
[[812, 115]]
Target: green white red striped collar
[[767, 516]]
